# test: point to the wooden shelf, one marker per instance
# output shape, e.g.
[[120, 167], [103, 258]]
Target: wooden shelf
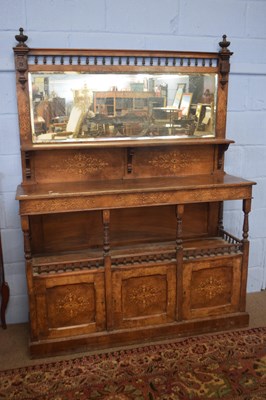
[[66, 197], [127, 186], [133, 142]]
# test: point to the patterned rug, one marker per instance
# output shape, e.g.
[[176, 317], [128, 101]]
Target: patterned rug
[[222, 366]]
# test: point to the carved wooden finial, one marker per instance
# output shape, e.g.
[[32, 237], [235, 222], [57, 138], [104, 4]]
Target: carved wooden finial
[[224, 66], [21, 38], [224, 44], [21, 50]]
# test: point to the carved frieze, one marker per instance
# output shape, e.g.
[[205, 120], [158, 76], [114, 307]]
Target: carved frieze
[[21, 63]]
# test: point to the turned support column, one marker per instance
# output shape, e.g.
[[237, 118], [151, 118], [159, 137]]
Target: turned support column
[[25, 225], [107, 268], [221, 218], [4, 290], [26, 233], [245, 242], [179, 260]]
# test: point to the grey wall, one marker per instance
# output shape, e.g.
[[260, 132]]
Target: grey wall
[[142, 24]]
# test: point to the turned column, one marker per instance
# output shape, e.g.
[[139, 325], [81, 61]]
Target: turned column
[[25, 225], [245, 244], [179, 260], [4, 289], [107, 268], [220, 219]]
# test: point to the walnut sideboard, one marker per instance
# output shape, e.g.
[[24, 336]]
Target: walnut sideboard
[[122, 196]]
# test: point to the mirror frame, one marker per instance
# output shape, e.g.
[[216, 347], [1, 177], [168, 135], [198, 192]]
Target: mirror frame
[[29, 60]]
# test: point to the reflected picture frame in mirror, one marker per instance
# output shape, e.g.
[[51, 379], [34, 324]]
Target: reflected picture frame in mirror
[[181, 87], [185, 104]]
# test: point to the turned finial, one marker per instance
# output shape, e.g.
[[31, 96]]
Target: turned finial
[[21, 38], [224, 44]]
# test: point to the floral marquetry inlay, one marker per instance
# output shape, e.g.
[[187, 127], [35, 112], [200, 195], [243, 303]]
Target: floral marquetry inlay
[[143, 198], [173, 162], [211, 287], [82, 164], [72, 304], [154, 198], [54, 205], [144, 295]]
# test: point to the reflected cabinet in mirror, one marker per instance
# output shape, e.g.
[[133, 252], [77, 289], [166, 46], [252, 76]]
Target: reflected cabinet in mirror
[[108, 106]]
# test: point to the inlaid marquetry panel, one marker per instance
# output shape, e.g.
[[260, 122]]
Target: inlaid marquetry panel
[[142, 296], [66, 166], [174, 161], [212, 287], [81, 163], [70, 304]]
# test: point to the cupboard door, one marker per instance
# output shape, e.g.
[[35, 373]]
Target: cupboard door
[[144, 296], [70, 305], [211, 287]]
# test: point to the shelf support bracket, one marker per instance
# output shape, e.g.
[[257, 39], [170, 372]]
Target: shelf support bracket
[[130, 154], [222, 149]]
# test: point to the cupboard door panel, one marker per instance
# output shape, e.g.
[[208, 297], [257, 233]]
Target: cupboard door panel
[[70, 305], [211, 287], [145, 296]]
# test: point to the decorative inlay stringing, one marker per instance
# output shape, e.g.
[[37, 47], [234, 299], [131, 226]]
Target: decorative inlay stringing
[[71, 304], [81, 163], [173, 161], [211, 287], [144, 295]]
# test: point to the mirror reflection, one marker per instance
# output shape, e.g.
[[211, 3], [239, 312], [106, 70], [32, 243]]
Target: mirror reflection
[[94, 107]]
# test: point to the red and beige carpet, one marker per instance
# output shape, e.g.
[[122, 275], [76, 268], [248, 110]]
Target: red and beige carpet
[[222, 366]]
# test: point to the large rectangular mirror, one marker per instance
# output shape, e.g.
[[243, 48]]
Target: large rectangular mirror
[[77, 107]]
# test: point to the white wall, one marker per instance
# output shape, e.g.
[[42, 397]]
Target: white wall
[[142, 24]]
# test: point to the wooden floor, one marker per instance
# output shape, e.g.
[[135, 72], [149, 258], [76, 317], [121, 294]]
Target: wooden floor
[[14, 339]]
